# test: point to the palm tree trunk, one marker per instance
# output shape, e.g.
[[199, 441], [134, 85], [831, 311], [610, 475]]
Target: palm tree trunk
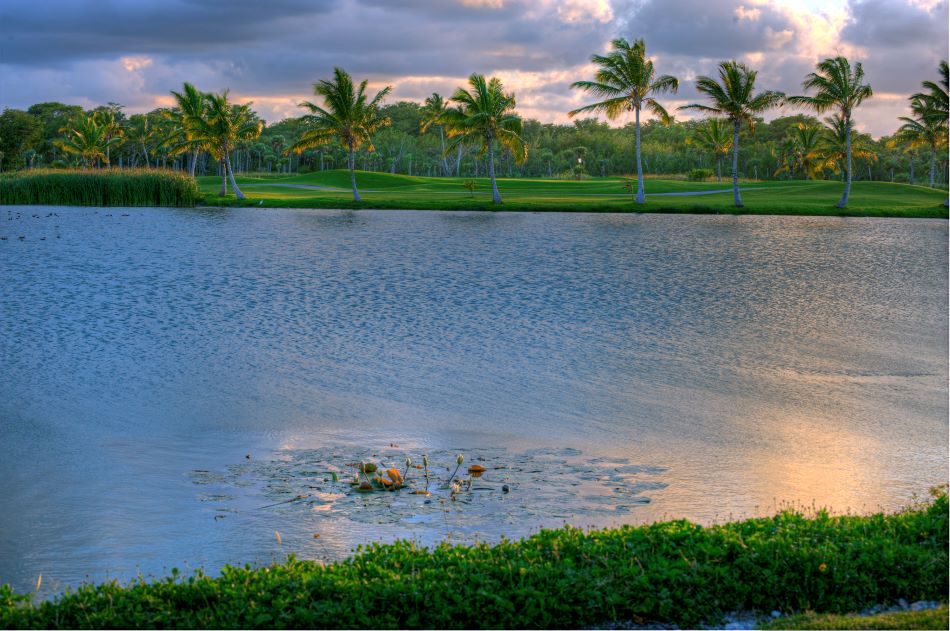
[[224, 179], [737, 199], [227, 164], [911, 168], [719, 167], [145, 153], [356, 194], [933, 162], [847, 187], [194, 163], [641, 198], [445, 161], [495, 195]]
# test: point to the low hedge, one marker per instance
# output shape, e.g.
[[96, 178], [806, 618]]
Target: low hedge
[[99, 187], [673, 572]]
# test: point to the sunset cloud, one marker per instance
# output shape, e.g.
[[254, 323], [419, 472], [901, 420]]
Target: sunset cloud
[[63, 50]]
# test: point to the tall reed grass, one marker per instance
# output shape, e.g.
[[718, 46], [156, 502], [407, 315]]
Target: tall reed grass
[[101, 187]]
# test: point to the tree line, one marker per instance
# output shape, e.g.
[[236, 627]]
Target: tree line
[[477, 132]]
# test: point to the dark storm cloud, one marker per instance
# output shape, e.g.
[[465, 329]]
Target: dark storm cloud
[[62, 31], [902, 43]]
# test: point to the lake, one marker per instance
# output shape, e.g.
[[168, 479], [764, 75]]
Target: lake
[[173, 378]]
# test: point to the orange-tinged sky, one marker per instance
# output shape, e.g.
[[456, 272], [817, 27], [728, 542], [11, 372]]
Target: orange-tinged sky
[[66, 51]]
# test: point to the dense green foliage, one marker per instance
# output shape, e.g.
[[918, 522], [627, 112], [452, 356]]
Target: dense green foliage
[[675, 571], [52, 187], [928, 619], [328, 189]]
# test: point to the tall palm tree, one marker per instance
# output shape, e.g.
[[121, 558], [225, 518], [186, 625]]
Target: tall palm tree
[[733, 97], [109, 117], [347, 115], [838, 87], [806, 151], [713, 135], [626, 80], [936, 98], [140, 133], [191, 108], [88, 139], [926, 129], [224, 126], [485, 113], [841, 146], [433, 110]]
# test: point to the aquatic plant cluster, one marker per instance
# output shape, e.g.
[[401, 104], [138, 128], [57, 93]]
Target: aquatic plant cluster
[[441, 494], [673, 572], [139, 187]]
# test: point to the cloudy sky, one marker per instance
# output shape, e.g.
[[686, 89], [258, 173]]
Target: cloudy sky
[[91, 52]]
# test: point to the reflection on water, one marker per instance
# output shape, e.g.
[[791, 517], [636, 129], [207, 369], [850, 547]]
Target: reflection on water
[[748, 361]]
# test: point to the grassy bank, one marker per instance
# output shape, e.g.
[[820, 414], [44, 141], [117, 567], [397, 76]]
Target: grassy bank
[[146, 187], [929, 619], [330, 189], [675, 572]]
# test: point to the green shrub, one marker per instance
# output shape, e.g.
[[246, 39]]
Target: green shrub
[[104, 187], [675, 572], [901, 178], [699, 175]]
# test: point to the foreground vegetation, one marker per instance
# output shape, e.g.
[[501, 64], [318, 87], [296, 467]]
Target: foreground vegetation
[[673, 572], [331, 189], [142, 187]]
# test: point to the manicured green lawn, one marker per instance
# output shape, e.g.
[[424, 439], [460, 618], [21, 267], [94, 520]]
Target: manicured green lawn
[[382, 190], [672, 572], [929, 619]]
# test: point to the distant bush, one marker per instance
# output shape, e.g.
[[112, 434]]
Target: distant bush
[[101, 187], [673, 572], [901, 178], [699, 175]]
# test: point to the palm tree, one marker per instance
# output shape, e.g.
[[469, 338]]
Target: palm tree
[[936, 99], [625, 80], [485, 113], [841, 146], [86, 138], [110, 118], [733, 97], [926, 129], [140, 133], [433, 110], [224, 125], [713, 135], [806, 151], [347, 115], [838, 87], [190, 111]]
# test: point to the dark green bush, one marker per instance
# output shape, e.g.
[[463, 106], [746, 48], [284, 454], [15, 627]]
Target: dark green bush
[[699, 175], [674, 572], [100, 187]]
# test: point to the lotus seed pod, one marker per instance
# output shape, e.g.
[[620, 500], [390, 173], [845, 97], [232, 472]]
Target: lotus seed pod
[[460, 459]]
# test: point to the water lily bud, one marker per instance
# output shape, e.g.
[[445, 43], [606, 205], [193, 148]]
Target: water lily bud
[[460, 459], [425, 461], [408, 462]]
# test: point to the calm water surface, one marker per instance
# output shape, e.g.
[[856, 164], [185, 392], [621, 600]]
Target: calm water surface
[[711, 366]]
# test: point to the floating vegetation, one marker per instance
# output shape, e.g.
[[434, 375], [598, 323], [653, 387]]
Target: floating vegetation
[[499, 491]]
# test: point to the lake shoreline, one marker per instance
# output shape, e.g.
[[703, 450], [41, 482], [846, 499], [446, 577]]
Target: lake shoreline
[[667, 573], [940, 212]]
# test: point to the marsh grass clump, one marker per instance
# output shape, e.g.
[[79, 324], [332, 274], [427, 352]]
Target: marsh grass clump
[[673, 573], [99, 187]]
